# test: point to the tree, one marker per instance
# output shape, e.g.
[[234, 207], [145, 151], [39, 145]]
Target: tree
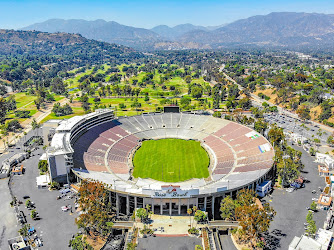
[[311, 227], [58, 86], [187, 79], [43, 166], [34, 214], [142, 214], [79, 242], [227, 208], [191, 211], [34, 124], [253, 220], [11, 103], [313, 206], [12, 125], [217, 114], [260, 125], [233, 91], [185, 102], [97, 214], [330, 140], [303, 112], [58, 110], [200, 216], [3, 110], [131, 246], [276, 135], [84, 103], [197, 92], [24, 230], [54, 185], [3, 90]]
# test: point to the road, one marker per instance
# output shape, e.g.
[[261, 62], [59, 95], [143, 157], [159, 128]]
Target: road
[[168, 243], [8, 224]]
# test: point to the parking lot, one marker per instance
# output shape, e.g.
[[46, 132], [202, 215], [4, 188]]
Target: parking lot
[[294, 125], [291, 207], [55, 227]]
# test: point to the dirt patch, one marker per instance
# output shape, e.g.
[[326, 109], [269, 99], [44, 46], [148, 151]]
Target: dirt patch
[[267, 92], [95, 242], [75, 104], [332, 118], [315, 112]]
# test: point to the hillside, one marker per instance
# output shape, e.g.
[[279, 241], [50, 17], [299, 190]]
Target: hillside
[[283, 29], [111, 32], [67, 45], [43, 55]]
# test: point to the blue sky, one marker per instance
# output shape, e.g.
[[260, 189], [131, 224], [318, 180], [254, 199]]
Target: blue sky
[[149, 13]]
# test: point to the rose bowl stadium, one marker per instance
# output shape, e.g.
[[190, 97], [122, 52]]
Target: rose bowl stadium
[[171, 160]]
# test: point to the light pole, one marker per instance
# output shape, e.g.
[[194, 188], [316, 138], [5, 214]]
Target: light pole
[[284, 158]]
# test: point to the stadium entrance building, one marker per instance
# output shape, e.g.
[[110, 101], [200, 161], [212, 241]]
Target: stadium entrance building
[[100, 146]]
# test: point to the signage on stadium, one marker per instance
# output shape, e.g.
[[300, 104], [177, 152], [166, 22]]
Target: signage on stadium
[[173, 192]]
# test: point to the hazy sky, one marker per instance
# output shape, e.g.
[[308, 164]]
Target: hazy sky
[[149, 13]]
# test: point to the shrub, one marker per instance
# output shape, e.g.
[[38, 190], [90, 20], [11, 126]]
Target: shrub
[[54, 185], [193, 230], [22, 113], [12, 125], [43, 166]]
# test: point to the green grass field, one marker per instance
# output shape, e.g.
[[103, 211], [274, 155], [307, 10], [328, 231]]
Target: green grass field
[[171, 160]]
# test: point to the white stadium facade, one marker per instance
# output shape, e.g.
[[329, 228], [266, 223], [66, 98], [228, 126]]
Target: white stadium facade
[[100, 146]]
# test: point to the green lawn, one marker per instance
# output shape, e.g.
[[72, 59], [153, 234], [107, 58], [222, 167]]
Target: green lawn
[[171, 160], [76, 111]]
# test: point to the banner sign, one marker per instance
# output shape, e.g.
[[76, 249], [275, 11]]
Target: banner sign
[[173, 192]]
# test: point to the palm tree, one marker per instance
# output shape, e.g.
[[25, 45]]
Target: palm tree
[[189, 211]]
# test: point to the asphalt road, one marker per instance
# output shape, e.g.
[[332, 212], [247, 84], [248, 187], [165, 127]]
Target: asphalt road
[[8, 224], [55, 226], [291, 207], [227, 243], [168, 243]]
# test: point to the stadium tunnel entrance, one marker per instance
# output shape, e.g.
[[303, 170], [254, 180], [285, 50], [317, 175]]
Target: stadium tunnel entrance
[[126, 204]]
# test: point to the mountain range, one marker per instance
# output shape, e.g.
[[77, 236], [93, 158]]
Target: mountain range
[[278, 29]]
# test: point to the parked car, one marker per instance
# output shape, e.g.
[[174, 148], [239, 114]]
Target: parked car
[[65, 208], [38, 242]]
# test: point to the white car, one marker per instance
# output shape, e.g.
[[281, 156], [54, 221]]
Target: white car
[[65, 208]]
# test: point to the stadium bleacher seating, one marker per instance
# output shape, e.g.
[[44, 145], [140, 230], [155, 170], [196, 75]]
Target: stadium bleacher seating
[[113, 142]]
